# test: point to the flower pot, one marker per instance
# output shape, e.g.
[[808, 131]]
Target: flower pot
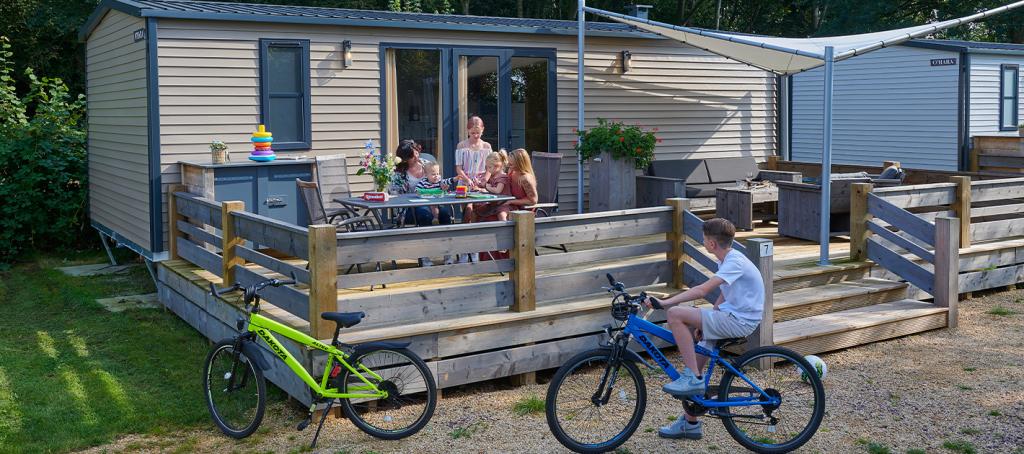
[[612, 183]]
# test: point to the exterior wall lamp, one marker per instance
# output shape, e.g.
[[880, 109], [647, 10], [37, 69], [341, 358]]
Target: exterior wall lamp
[[627, 63], [346, 53]]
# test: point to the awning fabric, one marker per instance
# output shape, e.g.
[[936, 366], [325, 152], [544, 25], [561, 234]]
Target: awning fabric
[[791, 55]]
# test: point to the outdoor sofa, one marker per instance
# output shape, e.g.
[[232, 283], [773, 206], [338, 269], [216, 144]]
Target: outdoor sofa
[[697, 179]]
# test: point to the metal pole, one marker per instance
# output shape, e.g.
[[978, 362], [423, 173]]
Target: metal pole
[[718, 16], [580, 26], [826, 160]]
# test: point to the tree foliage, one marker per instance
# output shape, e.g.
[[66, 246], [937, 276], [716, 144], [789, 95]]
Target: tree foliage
[[42, 163]]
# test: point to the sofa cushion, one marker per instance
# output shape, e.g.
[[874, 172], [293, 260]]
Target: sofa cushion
[[731, 169], [706, 189], [694, 171]]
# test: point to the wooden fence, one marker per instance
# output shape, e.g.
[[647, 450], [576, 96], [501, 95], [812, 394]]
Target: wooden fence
[[998, 153], [906, 229]]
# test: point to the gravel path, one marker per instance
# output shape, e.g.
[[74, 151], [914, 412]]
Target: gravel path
[[934, 392]]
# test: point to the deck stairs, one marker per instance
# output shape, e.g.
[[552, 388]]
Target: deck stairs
[[819, 309]]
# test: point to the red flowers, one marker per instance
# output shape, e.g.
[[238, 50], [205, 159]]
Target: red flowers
[[622, 139]]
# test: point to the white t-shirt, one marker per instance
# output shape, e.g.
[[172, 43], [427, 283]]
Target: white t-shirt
[[743, 288]]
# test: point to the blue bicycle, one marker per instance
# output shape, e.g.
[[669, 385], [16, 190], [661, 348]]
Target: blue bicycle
[[768, 398]]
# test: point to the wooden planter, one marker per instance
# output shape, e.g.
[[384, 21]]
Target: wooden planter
[[612, 183]]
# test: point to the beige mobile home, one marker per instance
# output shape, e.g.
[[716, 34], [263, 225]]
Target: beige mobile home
[[167, 77]]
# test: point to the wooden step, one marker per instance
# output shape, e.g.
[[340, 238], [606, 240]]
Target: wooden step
[[808, 302], [807, 275], [863, 325]]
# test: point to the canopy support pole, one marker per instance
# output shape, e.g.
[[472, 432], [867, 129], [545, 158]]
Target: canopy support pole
[[580, 27], [826, 160]]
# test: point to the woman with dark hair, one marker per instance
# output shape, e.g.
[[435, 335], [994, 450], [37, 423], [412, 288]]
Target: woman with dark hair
[[408, 174]]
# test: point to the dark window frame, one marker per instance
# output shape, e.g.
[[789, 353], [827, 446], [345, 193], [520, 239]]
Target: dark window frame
[[1015, 119], [306, 141]]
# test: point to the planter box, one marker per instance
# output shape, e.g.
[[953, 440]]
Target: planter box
[[612, 183]]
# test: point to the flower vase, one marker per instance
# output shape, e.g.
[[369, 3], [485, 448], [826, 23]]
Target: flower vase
[[612, 183]]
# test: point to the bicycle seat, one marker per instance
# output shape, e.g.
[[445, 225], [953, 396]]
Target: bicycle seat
[[722, 343], [343, 319]]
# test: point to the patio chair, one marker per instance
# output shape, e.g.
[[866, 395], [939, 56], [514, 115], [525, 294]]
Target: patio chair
[[332, 179], [546, 167]]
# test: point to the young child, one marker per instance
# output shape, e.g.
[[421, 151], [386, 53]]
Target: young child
[[736, 313], [497, 183], [432, 180]]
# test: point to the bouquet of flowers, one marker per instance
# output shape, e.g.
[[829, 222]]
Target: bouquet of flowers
[[380, 167]]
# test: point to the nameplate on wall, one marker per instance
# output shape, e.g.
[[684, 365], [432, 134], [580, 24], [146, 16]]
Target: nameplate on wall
[[943, 61], [139, 35]]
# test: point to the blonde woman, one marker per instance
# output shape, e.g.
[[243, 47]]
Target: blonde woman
[[521, 180]]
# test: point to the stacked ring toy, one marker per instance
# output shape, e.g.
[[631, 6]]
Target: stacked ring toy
[[261, 141]]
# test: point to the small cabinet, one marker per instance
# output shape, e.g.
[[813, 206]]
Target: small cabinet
[[266, 188]]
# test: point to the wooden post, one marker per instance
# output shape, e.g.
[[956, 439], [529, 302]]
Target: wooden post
[[771, 163], [323, 277], [172, 218], [975, 148], [962, 207], [524, 271], [859, 218], [676, 237], [947, 266], [229, 258], [761, 251]]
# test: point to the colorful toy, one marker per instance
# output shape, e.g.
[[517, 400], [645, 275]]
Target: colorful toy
[[461, 191], [261, 141]]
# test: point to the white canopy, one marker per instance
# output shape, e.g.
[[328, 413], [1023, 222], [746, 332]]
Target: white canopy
[[783, 56], [790, 55]]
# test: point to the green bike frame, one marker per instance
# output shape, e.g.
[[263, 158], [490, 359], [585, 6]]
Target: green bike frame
[[263, 327]]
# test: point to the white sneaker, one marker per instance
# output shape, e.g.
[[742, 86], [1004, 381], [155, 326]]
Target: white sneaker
[[686, 385], [425, 261], [474, 257], [463, 258], [448, 260]]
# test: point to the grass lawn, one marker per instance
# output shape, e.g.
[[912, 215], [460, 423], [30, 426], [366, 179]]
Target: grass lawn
[[74, 375]]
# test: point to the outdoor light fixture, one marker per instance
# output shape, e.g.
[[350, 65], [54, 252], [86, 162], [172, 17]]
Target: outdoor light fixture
[[626, 63], [346, 53]]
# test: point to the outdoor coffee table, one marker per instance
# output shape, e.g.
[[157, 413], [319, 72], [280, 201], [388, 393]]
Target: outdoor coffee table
[[737, 204], [401, 203]]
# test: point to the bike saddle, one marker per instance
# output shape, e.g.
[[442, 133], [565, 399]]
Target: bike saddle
[[722, 343], [344, 319]]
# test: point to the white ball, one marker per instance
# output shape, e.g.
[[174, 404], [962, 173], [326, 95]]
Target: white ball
[[818, 365]]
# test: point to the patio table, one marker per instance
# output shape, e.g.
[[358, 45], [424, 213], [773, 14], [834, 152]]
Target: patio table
[[402, 202], [737, 204]]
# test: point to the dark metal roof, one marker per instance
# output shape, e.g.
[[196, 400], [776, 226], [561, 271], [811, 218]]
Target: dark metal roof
[[206, 10], [953, 45]]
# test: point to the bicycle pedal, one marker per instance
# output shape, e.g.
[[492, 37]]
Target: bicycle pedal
[[305, 423]]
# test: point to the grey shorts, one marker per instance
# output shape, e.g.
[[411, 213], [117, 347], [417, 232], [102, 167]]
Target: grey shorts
[[717, 325]]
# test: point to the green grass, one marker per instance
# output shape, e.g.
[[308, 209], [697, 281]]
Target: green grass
[[970, 369], [970, 431], [960, 446], [916, 451], [964, 388], [1001, 311], [877, 448], [73, 375], [528, 405], [994, 413], [468, 431]]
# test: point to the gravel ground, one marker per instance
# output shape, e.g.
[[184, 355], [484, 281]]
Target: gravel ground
[[945, 391]]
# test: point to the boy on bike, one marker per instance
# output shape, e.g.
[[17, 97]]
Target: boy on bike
[[736, 313]]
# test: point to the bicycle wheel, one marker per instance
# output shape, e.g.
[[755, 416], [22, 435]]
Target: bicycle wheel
[[580, 423], [773, 428], [412, 394], [236, 405]]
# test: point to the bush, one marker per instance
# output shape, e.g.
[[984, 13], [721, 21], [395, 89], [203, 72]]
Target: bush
[[621, 141], [42, 163]]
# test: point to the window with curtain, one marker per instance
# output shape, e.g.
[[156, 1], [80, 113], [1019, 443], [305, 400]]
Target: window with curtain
[[1009, 94], [284, 92]]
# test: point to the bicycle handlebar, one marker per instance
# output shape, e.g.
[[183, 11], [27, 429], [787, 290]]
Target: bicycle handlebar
[[252, 289]]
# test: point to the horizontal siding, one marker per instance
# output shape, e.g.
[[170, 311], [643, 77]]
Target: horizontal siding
[[890, 104], [703, 105], [118, 141], [985, 93]]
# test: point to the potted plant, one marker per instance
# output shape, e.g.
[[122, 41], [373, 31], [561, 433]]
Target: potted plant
[[615, 152], [219, 152], [382, 169]]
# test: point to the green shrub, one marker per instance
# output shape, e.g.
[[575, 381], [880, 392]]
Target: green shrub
[[42, 163]]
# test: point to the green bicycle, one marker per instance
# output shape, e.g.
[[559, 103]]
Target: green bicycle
[[385, 389]]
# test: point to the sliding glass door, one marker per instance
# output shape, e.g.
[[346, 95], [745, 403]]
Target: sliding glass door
[[430, 93]]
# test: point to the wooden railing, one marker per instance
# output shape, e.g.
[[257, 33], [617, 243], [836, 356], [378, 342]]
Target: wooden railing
[[697, 267]]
